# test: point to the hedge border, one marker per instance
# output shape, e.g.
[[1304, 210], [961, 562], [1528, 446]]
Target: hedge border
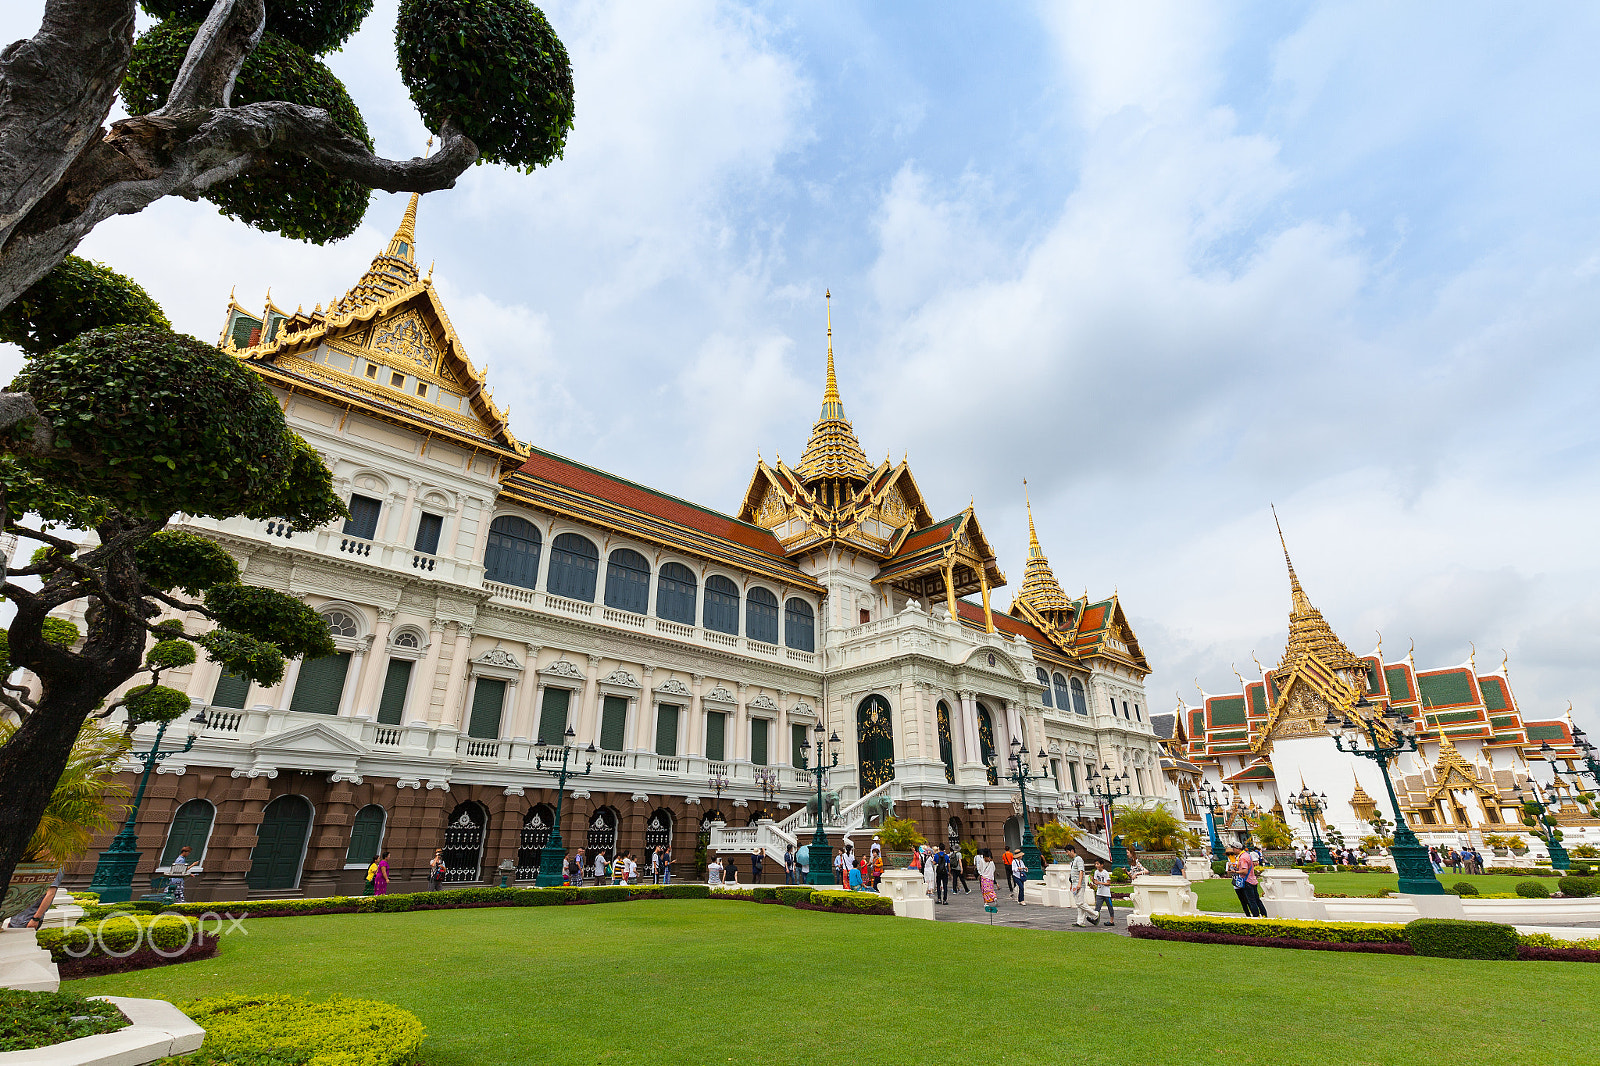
[[204, 947], [1195, 936]]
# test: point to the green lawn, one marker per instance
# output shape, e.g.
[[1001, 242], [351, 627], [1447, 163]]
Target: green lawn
[[701, 982], [1217, 894]]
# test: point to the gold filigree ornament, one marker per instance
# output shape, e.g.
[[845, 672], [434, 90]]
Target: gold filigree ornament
[[405, 337]]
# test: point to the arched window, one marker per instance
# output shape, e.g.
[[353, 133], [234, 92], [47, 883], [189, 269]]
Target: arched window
[[986, 743], [628, 581], [947, 750], [799, 626], [536, 826], [340, 624], [761, 616], [512, 557], [407, 639], [366, 836], [574, 566], [191, 828], [1080, 702], [463, 842], [1044, 680], [676, 592], [875, 746], [722, 605], [1061, 689]]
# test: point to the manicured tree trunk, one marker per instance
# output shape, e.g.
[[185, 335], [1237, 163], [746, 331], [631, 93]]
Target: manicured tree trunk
[[30, 764]]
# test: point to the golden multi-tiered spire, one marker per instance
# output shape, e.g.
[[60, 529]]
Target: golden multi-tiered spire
[[1040, 589], [1309, 632], [833, 453], [392, 269]]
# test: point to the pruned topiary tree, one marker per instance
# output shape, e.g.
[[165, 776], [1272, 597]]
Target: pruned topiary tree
[[228, 101]]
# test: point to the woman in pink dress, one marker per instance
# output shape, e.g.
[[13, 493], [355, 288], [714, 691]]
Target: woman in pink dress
[[380, 880]]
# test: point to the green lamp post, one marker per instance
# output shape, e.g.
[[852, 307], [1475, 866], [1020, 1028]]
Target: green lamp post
[[554, 853], [1213, 802], [1310, 805], [819, 854], [1410, 857], [1590, 763], [1022, 773], [113, 873], [1105, 789], [1538, 812]]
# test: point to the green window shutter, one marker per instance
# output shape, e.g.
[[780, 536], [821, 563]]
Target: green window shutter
[[716, 721], [191, 825], [553, 716], [666, 730], [366, 833], [758, 741], [614, 723], [232, 691], [392, 704], [797, 743], [488, 697], [320, 684]]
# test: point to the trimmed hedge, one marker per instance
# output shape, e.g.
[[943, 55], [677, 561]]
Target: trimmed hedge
[[1286, 928], [170, 934], [1533, 890], [1190, 936], [277, 1030], [1455, 938], [851, 902], [1579, 886], [1465, 888], [795, 895]]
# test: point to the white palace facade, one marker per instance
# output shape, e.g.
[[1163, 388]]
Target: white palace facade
[[486, 596]]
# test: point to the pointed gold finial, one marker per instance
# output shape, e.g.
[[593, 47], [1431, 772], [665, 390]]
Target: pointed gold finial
[[832, 407], [403, 243], [1297, 594], [1380, 646], [1034, 551], [1472, 656], [1309, 632]]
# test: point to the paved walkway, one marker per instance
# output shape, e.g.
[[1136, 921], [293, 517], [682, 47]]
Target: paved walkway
[[968, 907]]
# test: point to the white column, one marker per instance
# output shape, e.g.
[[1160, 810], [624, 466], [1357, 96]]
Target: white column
[[778, 753], [646, 719], [454, 697], [588, 716], [741, 728], [424, 676], [366, 697], [526, 715], [280, 697], [694, 742], [508, 709], [897, 720]]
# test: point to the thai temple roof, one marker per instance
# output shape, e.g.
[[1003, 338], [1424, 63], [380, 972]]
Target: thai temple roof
[[1040, 589], [1309, 633], [833, 452]]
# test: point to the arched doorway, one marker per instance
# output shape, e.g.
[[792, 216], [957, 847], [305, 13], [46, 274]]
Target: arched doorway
[[947, 749], [657, 832], [463, 843], [756, 816], [536, 826], [1013, 833], [986, 743], [280, 844], [875, 743], [603, 833], [954, 833]]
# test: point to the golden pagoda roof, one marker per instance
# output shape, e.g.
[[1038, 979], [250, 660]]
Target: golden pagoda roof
[[1309, 633], [1040, 589], [833, 452], [392, 269]]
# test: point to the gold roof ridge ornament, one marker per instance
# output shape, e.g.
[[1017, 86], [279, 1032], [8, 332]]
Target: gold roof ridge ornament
[[833, 453], [1309, 633], [1040, 589]]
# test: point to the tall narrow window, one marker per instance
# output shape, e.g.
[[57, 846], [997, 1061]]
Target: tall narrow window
[[797, 744], [799, 625], [758, 741], [428, 529], [1080, 702], [512, 557], [232, 691], [321, 684], [1044, 682], [1137, 717], [396, 680], [722, 605], [614, 723], [191, 828], [628, 581], [574, 566], [676, 592], [666, 729], [761, 616], [363, 520], [553, 716], [716, 722], [1072, 772], [1061, 689], [488, 700]]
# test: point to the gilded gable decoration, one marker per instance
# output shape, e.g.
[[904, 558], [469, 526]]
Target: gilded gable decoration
[[406, 338]]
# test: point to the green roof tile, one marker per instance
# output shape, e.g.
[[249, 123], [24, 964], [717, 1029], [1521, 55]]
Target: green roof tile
[[1399, 685], [1229, 710]]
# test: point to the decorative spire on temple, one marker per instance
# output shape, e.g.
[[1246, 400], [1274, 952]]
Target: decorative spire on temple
[[393, 269], [833, 453], [1040, 589], [1309, 632]]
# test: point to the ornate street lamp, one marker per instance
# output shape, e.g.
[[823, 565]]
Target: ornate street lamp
[[554, 854], [1311, 805], [113, 873], [819, 854], [767, 781], [1410, 857], [1107, 792], [1213, 802], [1591, 764], [718, 784], [1022, 773], [1538, 812]]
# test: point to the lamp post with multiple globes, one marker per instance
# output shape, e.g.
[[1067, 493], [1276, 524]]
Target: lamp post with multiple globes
[[554, 853], [1311, 805], [819, 855], [113, 873], [1022, 773]]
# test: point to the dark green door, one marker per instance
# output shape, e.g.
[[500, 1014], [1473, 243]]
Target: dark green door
[[191, 826], [392, 704], [875, 746], [986, 742], [613, 723], [280, 844]]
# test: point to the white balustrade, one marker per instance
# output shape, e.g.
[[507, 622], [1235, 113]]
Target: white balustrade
[[668, 766], [561, 603], [613, 760], [761, 648], [624, 618], [723, 639]]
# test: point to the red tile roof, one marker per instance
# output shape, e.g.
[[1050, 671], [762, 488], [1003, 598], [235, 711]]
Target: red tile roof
[[972, 613]]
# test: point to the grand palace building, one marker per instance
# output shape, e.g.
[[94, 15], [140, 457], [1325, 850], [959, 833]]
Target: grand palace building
[[487, 596], [1258, 749]]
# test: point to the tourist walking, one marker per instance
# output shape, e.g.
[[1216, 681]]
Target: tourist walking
[[1433, 857], [941, 877], [436, 870], [1005, 862], [1102, 894], [619, 870], [600, 868], [928, 869], [1019, 876], [755, 868], [791, 866], [666, 864], [1242, 866], [839, 874], [179, 870], [655, 865], [875, 865], [985, 867], [372, 873], [1078, 883]]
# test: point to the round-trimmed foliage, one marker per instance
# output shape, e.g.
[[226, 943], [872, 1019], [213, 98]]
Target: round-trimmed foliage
[[496, 67], [154, 703], [1532, 890], [272, 616], [75, 297], [290, 195], [156, 422], [1464, 888], [170, 654], [245, 656], [172, 558], [318, 26]]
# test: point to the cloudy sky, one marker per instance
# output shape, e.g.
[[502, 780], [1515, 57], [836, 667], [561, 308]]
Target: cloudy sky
[[1169, 262]]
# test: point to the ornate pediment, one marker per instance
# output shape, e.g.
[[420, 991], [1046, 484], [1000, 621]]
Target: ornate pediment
[[314, 739], [621, 677], [563, 668], [763, 702], [673, 687], [720, 694], [499, 657]]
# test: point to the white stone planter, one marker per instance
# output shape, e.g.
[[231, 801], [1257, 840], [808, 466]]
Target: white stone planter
[[1160, 894], [24, 964], [909, 892], [159, 1029]]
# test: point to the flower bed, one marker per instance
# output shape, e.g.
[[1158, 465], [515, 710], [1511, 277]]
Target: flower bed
[[1195, 936], [38, 1019], [278, 1030]]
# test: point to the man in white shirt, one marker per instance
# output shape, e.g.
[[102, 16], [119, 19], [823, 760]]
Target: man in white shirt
[[1082, 893], [714, 873]]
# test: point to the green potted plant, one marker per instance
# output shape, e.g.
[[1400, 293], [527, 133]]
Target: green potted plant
[[1053, 839], [1518, 845], [900, 838]]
